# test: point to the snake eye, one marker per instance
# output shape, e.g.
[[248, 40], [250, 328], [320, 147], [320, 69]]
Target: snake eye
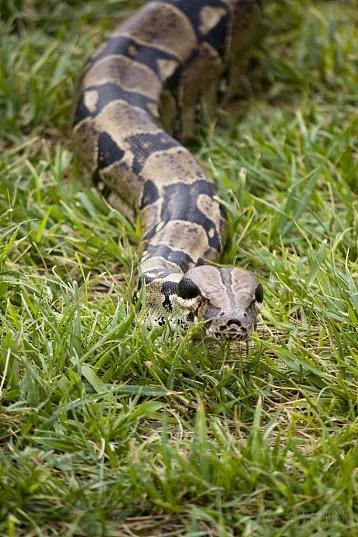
[[187, 289], [259, 294]]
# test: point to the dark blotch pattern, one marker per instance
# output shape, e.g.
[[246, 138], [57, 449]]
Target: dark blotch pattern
[[108, 151], [108, 93], [181, 203], [144, 144], [187, 289], [150, 194]]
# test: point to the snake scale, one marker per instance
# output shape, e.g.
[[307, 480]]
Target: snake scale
[[149, 85]]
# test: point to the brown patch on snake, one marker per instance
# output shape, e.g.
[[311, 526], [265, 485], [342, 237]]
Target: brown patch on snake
[[151, 216], [171, 166], [209, 18], [117, 202], [133, 50], [127, 73], [91, 99], [188, 237], [153, 109], [131, 184], [211, 209], [162, 26], [121, 120], [166, 68]]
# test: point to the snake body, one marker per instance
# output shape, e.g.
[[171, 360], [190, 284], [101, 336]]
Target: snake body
[[145, 88]]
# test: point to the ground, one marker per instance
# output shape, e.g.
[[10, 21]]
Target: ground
[[109, 429]]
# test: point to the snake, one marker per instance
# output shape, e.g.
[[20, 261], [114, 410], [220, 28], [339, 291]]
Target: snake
[[142, 95]]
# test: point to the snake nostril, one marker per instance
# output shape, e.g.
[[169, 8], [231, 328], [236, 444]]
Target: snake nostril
[[234, 321]]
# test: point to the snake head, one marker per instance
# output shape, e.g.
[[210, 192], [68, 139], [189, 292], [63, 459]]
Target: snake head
[[226, 299]]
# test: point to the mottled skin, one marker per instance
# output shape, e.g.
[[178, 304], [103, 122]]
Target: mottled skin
[[165, 68]]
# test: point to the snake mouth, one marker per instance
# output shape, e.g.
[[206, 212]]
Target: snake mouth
[[230, 336], [231, 332]]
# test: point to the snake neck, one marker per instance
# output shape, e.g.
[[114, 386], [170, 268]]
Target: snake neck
[[182, 218]]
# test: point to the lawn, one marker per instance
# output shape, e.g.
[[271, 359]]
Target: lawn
[[108, 429]]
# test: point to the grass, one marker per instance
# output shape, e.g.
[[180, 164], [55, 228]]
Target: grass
[[108, 429]]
